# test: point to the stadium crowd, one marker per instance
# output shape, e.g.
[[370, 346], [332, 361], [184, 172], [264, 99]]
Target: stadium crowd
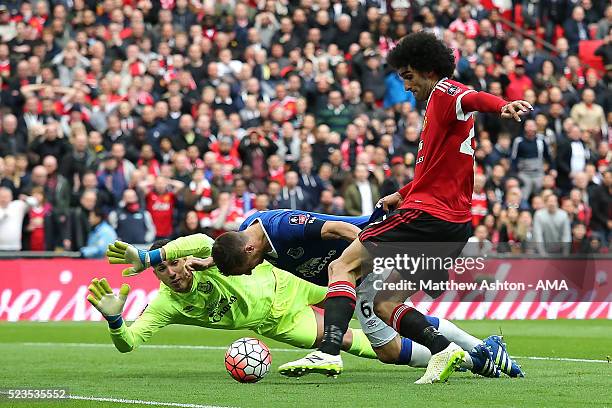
[[143, 119]]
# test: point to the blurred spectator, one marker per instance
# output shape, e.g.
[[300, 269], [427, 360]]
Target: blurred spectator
[[262, 203], [590, 116], [604, 24], [398, 177], [111, 178], [242, 199], [327, 204], [361, 195], [57, 188], [190, 225], [529, 154], [292, 196], [5, 179], [12, 139], [226, 217], [199, 194], [77, 227], [48, 141], [551, 228], [478, 245], [465, 23], [100, 236], [572, 157], [161, 204], [125, 167], [601, 203], [335, 114], [132, 223], [576, 29], [41, 229], [519, 81], [80, 159], [479, 199], [12, 213], [310, 182], [580, 243], [255, 149]]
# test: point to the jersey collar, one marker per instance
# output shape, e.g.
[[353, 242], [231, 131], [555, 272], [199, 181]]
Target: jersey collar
[[433, 90], [273, 252]]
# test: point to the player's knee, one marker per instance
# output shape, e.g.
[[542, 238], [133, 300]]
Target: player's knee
[[386, 355], [383, 310]]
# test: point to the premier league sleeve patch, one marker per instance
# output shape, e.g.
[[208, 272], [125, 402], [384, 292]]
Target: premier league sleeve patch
[[298, 219], [452, 90]]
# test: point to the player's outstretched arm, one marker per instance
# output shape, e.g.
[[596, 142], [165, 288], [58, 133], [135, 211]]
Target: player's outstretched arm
[[199, 245], [101, 296], [339, 230], [157, 315], [472, 101]]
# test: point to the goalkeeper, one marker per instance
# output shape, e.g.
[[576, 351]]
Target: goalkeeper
[[270, 302]]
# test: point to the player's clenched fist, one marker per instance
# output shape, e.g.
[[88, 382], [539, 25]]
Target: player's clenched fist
[[101, 296]]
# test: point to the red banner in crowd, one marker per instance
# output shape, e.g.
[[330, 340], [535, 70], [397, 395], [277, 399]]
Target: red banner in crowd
[[56, 289]]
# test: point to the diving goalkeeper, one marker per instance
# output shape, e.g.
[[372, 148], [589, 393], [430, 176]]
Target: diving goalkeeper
[[270, 302]]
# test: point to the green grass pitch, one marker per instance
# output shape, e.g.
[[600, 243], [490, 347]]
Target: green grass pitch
[[79, 356]]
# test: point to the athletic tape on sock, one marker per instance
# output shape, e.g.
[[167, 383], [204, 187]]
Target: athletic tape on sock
[[342, 289], [397, 315]]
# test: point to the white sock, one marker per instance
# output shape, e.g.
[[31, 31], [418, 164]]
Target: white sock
[[420, 355], [453, 333]]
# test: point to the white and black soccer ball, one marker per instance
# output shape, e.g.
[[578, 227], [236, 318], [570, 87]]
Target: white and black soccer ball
[[248, 360]]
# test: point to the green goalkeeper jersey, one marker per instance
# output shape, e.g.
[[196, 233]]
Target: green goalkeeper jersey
[[215, 300]]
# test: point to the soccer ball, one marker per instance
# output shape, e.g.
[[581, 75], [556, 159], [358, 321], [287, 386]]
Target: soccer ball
[[248, 360]]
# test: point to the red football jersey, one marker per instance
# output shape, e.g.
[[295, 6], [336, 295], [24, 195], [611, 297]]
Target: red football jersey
[[444, 171], [161, 207]]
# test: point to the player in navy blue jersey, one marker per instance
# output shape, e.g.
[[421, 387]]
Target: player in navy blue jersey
[[305, 243]]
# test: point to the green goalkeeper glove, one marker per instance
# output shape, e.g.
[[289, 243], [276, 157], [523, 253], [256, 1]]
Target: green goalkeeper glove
[[123, 253], [110, 305]]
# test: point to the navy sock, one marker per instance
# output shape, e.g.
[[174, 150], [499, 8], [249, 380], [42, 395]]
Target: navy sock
[[434, 321], [406, 352]]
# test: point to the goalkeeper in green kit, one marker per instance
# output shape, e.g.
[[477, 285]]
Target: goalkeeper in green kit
[[270, 302]]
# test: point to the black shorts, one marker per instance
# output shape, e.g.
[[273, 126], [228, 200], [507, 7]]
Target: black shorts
[[411, 225], [415, 233]]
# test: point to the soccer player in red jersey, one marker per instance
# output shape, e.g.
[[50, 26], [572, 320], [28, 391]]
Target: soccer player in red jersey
[[434, 207]]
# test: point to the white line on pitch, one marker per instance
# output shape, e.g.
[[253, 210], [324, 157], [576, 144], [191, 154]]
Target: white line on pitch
[[141, 402], [135, 401], [195, 347], [575, 360]]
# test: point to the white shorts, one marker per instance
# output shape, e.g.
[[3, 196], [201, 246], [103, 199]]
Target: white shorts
[[374, 328]]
